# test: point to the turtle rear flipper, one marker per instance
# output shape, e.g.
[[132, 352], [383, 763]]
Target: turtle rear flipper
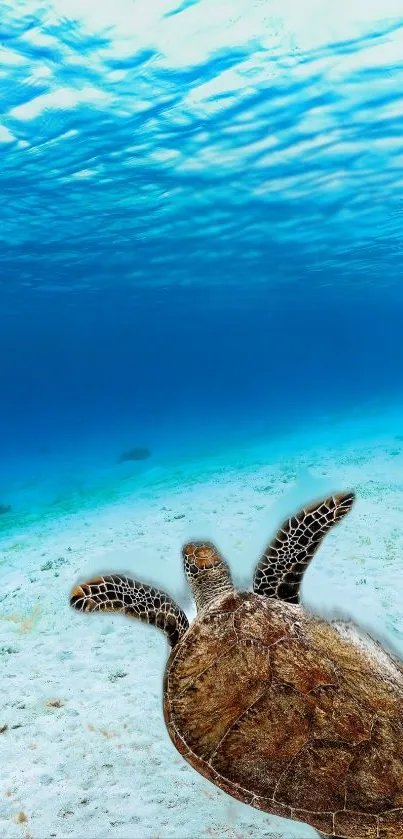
[[282, 566], [118, 593]]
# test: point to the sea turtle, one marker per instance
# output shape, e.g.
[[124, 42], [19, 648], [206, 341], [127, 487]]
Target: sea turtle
[[282, 710]]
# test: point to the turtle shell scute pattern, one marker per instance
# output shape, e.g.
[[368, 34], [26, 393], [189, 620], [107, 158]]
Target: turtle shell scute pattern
[[261, 701]]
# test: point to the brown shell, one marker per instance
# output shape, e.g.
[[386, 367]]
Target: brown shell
[[283, 712]]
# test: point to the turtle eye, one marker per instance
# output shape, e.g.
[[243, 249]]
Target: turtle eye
[[203, 555]]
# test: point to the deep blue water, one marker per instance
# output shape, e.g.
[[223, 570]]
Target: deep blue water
[[201, 223]]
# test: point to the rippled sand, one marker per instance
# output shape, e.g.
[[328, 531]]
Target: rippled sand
[[84, 751]]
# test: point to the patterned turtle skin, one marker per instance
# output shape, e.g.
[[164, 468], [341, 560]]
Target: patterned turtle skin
[[284, 711]]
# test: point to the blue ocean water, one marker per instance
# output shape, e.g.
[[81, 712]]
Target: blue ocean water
[[201, 225], [200, 255]]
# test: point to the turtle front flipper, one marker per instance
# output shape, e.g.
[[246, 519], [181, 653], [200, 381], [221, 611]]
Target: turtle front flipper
[[281, 568], [117, 593]]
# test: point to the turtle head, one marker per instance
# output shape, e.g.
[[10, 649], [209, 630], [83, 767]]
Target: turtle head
[[206, 572]]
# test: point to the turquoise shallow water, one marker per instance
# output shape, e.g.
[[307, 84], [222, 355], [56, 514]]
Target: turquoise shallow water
[[47, 488], [201, 222]]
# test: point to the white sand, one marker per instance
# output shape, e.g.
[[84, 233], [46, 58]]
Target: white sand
[[98, 761]]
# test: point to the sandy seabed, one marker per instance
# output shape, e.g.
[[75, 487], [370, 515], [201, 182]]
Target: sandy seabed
[[83, 748]]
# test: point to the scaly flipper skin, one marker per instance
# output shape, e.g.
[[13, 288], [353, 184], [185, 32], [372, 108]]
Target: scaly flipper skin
[[281, 569], [117, 593]]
